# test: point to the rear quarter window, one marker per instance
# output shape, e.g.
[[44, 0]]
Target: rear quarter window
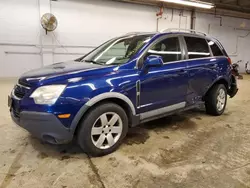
[[215, 48], [197, 47]]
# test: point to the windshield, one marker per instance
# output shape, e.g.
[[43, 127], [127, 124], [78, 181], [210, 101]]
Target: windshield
[[117, 51]]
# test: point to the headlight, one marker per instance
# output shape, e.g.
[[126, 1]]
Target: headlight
[[47, 94]]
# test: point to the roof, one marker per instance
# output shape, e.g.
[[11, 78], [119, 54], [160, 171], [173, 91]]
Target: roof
[[172, 31]]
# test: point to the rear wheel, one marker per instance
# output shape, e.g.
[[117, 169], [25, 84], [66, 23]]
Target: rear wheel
[[103, 129], [216, 100]]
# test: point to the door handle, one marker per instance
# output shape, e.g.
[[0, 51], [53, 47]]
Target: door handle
[[182, 71], [213, 66]]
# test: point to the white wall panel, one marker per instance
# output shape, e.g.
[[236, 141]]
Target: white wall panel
[[233, 33], [25, 63], [88, 22], [84, 24], [16, 60], [175, 19], [19, 21]]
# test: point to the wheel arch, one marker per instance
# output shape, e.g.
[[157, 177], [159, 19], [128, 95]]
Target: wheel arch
[[112, 97], [221, 80]]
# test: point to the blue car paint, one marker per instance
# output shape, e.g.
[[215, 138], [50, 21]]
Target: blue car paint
[[184, 81], [163, 86]]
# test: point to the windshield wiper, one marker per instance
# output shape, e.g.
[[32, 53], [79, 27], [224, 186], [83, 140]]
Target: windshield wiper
[[94, 62]]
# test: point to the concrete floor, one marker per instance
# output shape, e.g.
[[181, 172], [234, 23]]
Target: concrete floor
[[187, 150]]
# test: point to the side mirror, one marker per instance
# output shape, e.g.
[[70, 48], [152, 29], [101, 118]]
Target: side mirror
[[153, 61]]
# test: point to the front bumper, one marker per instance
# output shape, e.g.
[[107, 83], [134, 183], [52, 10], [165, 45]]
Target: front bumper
[[44, 126]]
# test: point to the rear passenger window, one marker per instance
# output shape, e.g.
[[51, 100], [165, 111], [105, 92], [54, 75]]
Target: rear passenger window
[[215, 49], [197, 47], [168, 49]]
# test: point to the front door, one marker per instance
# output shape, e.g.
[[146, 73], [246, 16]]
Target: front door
[[165, 87]]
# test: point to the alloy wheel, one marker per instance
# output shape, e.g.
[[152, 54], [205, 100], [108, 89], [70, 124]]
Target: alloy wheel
[[221, 99], [106, 130]]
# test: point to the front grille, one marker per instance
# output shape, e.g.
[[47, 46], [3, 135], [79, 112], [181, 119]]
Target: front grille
[[23, 83], [19, 91]]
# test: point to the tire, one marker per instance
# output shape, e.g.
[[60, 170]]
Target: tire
[[97, 130], [214, 100]]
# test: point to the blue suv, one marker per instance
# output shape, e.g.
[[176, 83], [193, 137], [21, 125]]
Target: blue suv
[[124, 82]]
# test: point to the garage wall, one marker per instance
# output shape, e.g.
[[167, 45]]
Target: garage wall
[[88, 24], [84, 24], [18, 34], [233, 33]]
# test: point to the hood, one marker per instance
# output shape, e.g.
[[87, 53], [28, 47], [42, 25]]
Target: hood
[[57, 70]]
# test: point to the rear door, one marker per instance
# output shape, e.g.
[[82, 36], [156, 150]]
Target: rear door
[[201, 65]]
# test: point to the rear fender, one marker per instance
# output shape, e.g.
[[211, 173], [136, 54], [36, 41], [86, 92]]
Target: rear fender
[[219, 80]]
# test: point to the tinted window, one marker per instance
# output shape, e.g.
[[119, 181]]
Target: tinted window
[[168, 49], [197, 47], [215, 49]]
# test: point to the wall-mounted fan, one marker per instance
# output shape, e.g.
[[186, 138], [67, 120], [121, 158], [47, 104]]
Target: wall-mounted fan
[[49, 22]]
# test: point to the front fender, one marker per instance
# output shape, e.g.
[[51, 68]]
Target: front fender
[[95, 100]]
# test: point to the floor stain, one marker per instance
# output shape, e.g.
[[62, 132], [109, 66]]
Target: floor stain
[[113, 161], [136, 135], [15, 166], [92, 179], [228, 126], [65, 157], [173, 122], [12, 151], [173, 154], [42, 155], [166, 137], [131, 157], [95, 171], [248, 171], [139, 135], [227, 113], [71, 148]]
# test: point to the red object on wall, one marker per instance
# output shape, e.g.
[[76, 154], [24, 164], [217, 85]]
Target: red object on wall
[[160, 13]]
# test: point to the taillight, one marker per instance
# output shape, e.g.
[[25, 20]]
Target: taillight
[[229, 60]]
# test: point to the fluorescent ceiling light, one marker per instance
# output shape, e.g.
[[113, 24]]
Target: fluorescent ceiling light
[[198, 4]]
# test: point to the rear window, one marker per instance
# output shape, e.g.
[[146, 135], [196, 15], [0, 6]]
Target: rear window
[[197, 47], [215, 49]]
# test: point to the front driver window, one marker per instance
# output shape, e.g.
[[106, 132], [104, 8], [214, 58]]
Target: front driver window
[[168, 49]]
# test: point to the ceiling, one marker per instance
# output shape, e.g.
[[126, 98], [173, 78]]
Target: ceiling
[[236, 5], [236, 8]]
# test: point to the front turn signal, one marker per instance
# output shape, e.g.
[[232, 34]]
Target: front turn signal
[[64, 116]]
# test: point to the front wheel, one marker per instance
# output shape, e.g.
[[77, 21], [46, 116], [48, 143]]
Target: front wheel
[[103, 129], [216, 100]]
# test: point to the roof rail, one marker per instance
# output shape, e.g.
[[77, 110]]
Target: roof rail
[[139, 33], [132, 33], [185, 30]]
